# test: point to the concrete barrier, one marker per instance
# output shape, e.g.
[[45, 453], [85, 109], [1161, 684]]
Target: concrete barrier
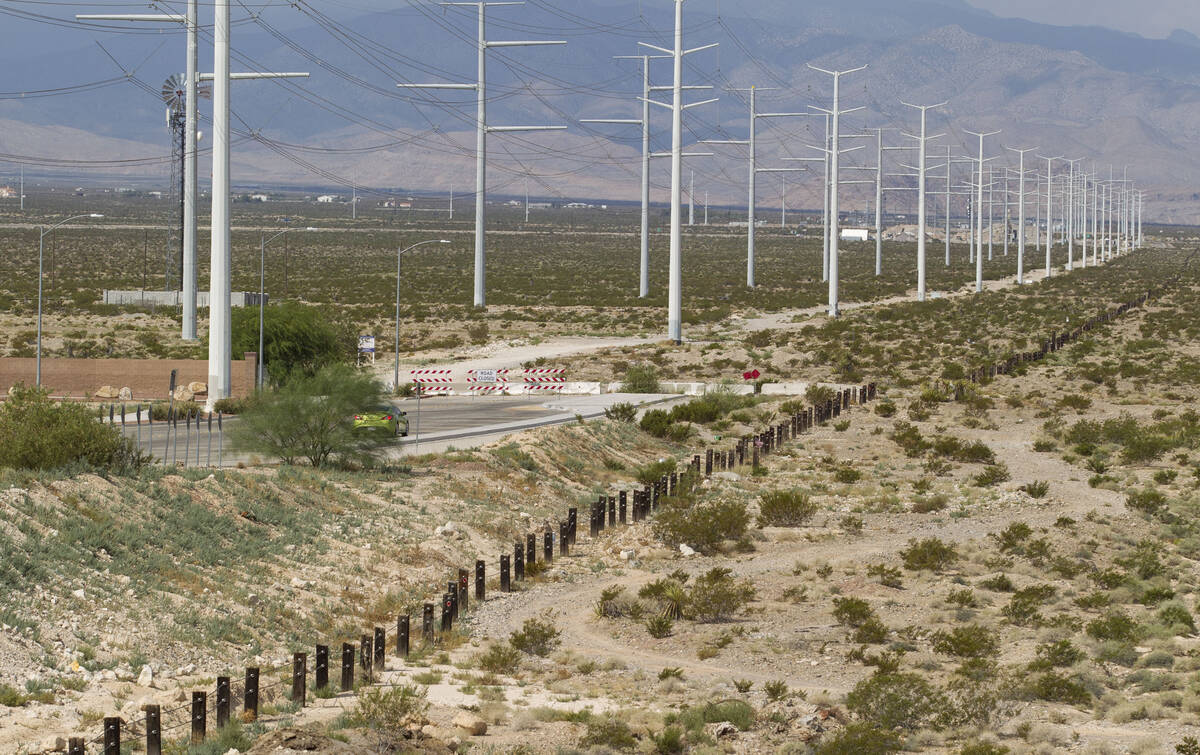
[[583, 389], [784, 389]]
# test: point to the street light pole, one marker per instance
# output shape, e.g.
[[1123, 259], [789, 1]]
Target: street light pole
[[42, 233], [400, 253]]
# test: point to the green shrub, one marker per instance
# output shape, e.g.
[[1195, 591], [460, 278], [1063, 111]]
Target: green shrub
[[39, 433], [852, 612], [656, 422], [998, 583], [818, 395], [993, 474], [652, 473], [311, 417], [608, 732], [669, 742], [885, 408], [1056, 654], [888, 576], [1012, 537], [930, 554], [861, 739], [231, 405], [702, 526], [909, 438], [785, 508], [500, 658], [871, 632], [776, 690], [640, 378], [983, 748], [1176, 616], [1057, 688], [386, 712], [537, 636], [622, 412], [896, 701], [847, 475], [716, 595], [1114, 625], [298, 339], [970, 641], [1036, 489], [1148, 501], [659, 626]]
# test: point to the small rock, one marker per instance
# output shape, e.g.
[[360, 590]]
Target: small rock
[[724, 729], [187, 670], [233, 751], [301, 583], [108, 675], [628, 554], [79, 593], [54, 744], [685, 550], [453, 743], [471, 723], [728, 476], [146, 677]]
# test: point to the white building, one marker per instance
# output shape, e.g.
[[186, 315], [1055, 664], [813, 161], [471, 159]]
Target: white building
[[326, 199], [855, 234]]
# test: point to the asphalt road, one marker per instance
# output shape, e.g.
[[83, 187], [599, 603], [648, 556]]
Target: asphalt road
[[440, 421]]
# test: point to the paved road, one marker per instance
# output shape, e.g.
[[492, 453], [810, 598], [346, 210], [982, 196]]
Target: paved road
[[459, 421]]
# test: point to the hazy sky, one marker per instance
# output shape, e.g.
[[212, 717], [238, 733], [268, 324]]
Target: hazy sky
[[1150, 18]]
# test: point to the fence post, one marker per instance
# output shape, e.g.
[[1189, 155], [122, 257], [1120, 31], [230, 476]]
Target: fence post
[[199, 716], [299, 677], [623, 507], [112, 735], [452, 591], [612, 511], [572, 524], [75, 746], [480, 579], [402, 635], [505, 579], [548, 542], [223, 701], [518, 562], [380, 647], [321, 668], [347, 667], [365, 655], [153, 730], [251, 704], [447, 618], [427, 622], [464, 583]]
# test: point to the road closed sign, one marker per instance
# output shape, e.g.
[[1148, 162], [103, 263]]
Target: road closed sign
[[485, 376], [366, 344]]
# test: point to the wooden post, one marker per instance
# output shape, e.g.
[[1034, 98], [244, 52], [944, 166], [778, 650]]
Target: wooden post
[[452, 592], [427, 622], [572, 524], [153, 730], [612, 511], [224, 700], [531, 545], [365, 656], [518, 562], [623, 507], [505, 580], [447, 617], [299, 677], [464, 585], [402, 635], [75, 746], [199, 716], [112, 735], [251, 697], [548, 541], [480, 580], [380, 648], [347, 666], [321, 670]]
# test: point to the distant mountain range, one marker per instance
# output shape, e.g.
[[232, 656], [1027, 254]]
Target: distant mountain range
[[1088, 92]]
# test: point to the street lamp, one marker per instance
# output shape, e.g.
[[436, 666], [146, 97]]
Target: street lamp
[[262, 284], [400, 253], [43, 232]]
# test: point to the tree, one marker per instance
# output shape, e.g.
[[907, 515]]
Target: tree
[[297, 339], [37, 432], [313, 418]]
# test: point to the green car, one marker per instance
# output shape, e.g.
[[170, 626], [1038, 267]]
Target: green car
[[384, 418]]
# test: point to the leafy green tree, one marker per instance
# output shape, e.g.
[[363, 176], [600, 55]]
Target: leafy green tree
[[37, 432], [297, 339], [313, 418]]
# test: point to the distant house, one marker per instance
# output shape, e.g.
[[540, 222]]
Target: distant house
[[7, 192], [393, 204], [855, 234], [259, 198], [326, 199]]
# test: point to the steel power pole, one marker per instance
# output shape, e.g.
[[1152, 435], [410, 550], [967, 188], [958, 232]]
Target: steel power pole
[[482, 129], [922, 144], [752, 145], [1049, 209], [979, 209], [1021, 213]]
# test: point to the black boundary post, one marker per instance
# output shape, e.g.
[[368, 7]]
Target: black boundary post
[[365, 656], [347, 666], [612, 511], [402, 635], [480, 580], [427, 622], [199, 716], [518, 562], [380, 648], [75, 746], [572, 524], [112, 735], [464, 585], [548, 541], [153, 730], [299, 678], [321, 669], [505, 577], [224, 699], [251, 697]]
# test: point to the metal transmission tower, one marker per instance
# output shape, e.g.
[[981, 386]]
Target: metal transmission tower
[[220, 347], [675, 290], [879, 154], [751, 143], [834, 151], [979, 209], [1021, 214], [482, 129], [922, 143], [182, 188], [644, 123], [191, 92], [1049, 208]]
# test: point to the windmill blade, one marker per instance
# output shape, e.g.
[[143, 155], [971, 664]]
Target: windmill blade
[[173, 91]]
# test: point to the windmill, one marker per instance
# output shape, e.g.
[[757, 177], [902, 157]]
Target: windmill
[[174, 91]]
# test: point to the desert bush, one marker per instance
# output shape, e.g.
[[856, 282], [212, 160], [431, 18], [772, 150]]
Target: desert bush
[[852, 612], [998, 583], [702, 526], [817, 395], [311, 418], [1114, 625], [716, 595], [1022, 608], [652, 473], [656, 422], [909, 438], [231, 405], [970, 641], [888, 576], [670, 595], [1013, 537], [846, 474], [785, 508], [386, 713], [640, 378], [537, 636], [860, 739], [983, 748], [1056, 654], [500, 658], [622, 412], [1058, 688], [896, 701], [1176, 616], [930, 554], [39, 433], [298, 339], [871, 632], [659, 626], [885, 408], [1036, 489], [776, 690], [1148, 501], [608, 732], [993, 474]]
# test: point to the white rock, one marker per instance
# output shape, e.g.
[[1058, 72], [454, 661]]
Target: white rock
[[728, 476], [146, 677], [187, 670], [628, 554], [300, 583], [685, 550], [233, 751], [108, 675], [471, 723], [54, 744], [79, 593], [124, 675]]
